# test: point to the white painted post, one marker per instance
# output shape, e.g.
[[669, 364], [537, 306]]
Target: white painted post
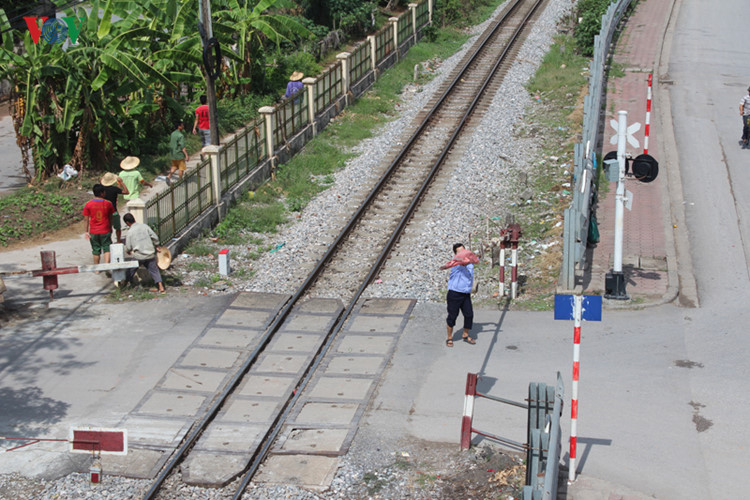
[[213, 155], [267, 112], [394, 23], [310, 89], [620, 194], [429, 9], [224, 267], [501, 285], [137, 207], [116, 256], [344, 58], [413, 9]]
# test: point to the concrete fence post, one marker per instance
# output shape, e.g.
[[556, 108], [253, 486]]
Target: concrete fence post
[[267, 112], [310, 89], [430, 9], [344, 58], [413, 10], [137, 207], [394, 23], [213, 155]]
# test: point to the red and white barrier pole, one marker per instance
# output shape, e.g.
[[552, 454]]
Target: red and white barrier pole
[[577, 314], [501, 286], [648, 114], [471, 391], [514, 271]]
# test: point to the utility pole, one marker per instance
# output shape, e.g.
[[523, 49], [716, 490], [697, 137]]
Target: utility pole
[[204, 14]]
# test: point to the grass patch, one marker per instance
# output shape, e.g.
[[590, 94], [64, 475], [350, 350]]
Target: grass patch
[[198, 266], [131, 293], [200, 248], [31, 211]]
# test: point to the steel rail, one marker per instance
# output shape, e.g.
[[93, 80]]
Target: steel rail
[[283, 314]]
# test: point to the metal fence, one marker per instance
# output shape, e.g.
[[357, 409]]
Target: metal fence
[[240, 155], [383, 43], [577, 217], [327, 87], [360, 62], [172, 210], [544, 439], [404, 28]]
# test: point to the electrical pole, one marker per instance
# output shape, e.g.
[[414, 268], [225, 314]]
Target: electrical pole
[[204, 13]]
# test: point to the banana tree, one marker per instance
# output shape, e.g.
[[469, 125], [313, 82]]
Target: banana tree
[[254, 25]]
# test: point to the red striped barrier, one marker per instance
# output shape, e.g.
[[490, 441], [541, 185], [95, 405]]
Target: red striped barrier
[[648, 115]]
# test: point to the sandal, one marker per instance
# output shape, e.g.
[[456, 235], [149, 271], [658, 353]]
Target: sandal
[[469, 340], [449, 342]]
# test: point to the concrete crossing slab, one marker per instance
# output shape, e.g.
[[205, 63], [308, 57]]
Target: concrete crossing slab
[[340, 388], [231, 437], [193, 379], [314, 441], [296, 342], [332, 413], [308, 323], [155, 431], [282, 363], [250, 410], [229, 338], [209, 358], [355, 365], [211, 468], [386, 306], [266, 385], [167, 404], [307, 471], [365, 344], [376, 324], [244, 318], [254, 300]]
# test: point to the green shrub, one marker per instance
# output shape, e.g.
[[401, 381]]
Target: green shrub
[[590, 13]]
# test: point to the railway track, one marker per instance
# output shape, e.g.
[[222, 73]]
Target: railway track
[[350, 264]]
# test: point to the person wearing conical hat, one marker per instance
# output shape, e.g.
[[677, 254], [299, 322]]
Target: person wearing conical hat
[[114, 186], [295, 84], [132, 178]]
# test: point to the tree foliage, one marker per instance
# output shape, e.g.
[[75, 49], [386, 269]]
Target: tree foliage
[[590, 13], [130, 73]]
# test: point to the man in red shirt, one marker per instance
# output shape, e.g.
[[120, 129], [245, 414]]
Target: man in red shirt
[[98, 214], [202, 123]]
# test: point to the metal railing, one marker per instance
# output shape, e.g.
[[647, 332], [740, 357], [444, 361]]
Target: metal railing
[[328, 87], [172, 210], [241, 154], [577, 217], [544, 438], [360, 62]]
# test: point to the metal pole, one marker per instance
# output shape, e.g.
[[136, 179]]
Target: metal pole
[[620, 196], [514, 270], [501, 286], [648, 114], [577, 313], [204, 12]]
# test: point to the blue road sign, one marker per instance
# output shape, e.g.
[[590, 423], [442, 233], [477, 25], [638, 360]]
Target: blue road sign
[[591, 307]]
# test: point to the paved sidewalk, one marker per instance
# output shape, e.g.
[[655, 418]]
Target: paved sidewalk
[[647, 242]]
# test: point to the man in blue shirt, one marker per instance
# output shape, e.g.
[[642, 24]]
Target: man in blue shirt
[[459, 295]]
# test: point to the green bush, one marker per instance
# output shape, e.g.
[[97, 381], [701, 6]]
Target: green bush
[[590, 13]]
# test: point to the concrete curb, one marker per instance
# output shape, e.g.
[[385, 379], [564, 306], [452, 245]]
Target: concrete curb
[[679, 260]]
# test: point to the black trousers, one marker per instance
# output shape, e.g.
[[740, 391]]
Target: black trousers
[[746, 127], [459, 301]]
